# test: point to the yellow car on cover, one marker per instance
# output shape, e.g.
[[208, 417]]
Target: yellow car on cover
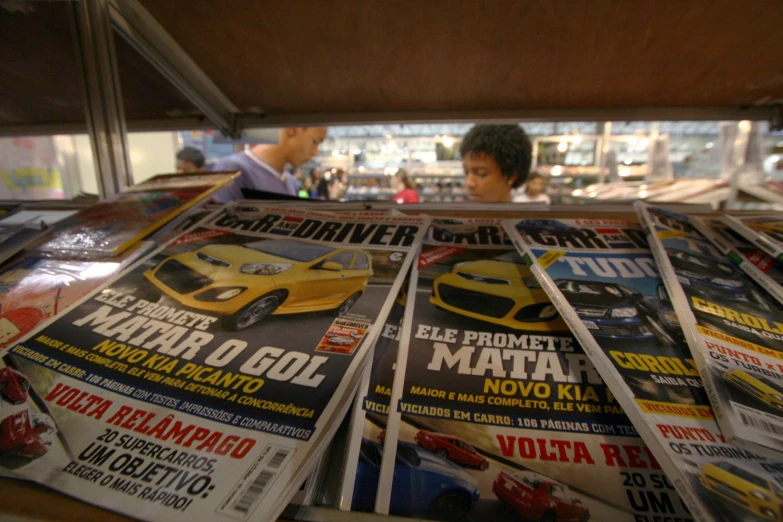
[[245, 283], [746, 489], [758, 386], [500, 290]]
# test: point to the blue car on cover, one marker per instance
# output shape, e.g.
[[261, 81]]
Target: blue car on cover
[[614, 310], [424, 483]]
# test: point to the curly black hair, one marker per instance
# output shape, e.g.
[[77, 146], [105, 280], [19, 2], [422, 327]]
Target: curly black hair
[[507, 144]]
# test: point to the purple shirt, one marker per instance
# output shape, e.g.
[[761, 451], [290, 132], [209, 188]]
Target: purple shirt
[[255, 174]]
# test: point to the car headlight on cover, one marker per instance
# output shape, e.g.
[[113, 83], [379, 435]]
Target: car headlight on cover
[[624, 312], [777, 397], [264, 268], [727, 282], [219, 294], [759, 495], [531, 282], [548, 312], [456, 266]]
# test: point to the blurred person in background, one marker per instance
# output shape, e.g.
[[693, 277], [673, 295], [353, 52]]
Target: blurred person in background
[[315, 178], [496, 160], [405, 188], [189, 160], [338, 184], [322, 189], [262, 166], [532, 191]]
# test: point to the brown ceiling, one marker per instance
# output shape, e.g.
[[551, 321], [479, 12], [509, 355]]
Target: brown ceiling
[[39, 74], [313, 56], [301, 58]]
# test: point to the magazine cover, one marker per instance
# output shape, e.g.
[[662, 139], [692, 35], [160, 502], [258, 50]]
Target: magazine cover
[[766, 232], [15, 238], [732, 329], [604, 281], [181, 181], [207, 379], [759, 266], [501, 414], [35, 289], [108, 228]]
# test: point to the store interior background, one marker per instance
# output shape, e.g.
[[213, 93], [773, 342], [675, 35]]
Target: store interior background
[[572, 157]]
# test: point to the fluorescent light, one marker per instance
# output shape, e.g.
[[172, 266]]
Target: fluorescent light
[[642, 193], [361, 169], [448, 141], [644, 142], [744, 125], [577, 139], [557, 170], [625, 171], [627, 162], [562, 146], [577, 192], [710, 145], [335, 152]]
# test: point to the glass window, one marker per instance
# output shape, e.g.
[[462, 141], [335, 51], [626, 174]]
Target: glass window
[[361, 262], [343, 258]]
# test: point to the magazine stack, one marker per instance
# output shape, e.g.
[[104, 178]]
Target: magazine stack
[[496, 413], [603, 279], [208, 379]]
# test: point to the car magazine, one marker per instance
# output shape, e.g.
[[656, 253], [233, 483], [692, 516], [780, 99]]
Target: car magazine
[[766, 232], [208, 379], [732, 328], [501, 414], [762, 268], [108, 228], [603, 279]]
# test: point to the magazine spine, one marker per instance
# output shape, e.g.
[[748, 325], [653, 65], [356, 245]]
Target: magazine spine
[[610, 376], [386, 474], [685, 316], [726, 248], [353, 446], [757, 238]]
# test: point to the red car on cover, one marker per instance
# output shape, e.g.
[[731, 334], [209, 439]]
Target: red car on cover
[[13, 385], [537, 497], [451, 448], [26, 436]]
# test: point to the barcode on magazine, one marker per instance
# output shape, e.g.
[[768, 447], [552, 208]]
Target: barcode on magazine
[[760, 424], [256, 482]]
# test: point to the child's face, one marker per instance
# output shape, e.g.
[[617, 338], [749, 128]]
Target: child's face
[[484, 179]]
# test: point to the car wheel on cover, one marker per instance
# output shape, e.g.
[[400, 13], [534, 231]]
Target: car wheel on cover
[[348, 303], [253, 312], [442, 453], [549, 516], [659, 331], [448, 506], [484, 465]]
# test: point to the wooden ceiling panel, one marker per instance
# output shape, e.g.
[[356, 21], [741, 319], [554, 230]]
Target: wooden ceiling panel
[[39, 80], [309, 56], [39, 74]]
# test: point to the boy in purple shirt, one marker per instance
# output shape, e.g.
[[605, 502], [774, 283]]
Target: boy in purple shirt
[[262, 166]]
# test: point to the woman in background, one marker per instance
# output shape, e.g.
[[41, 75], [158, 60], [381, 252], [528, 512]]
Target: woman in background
[[406, 189], [533, 191]]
